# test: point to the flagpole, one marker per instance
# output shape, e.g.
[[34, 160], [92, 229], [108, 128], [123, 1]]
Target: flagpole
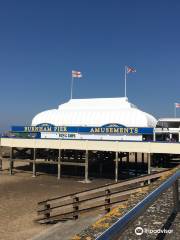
[[174, 109], [72, 80], [125, 82]]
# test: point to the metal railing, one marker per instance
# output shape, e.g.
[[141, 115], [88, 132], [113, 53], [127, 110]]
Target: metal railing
[[118, 227]]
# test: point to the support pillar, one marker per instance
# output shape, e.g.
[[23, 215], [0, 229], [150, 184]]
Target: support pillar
[[142, 164], [86, 166], [59, 165], [127, 162], [121, 163], [75, 156], [10, 162], [135, 158], [34, 163], [143, 158], [100, 169], [116, 167], [149, 164], [31, 157]]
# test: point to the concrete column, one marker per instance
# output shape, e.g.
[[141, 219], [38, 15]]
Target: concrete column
[[10, 162], [75, 156], [121, 162], [59, 164], [116, 167], [142, 163], [142, 158], [86, 166], [100, 168], [13, 158], [135, 158], [149, 164], [31, 157], [34, 163], [127, 162]]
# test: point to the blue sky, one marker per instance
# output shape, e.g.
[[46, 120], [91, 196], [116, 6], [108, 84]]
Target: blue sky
[[41, 41]]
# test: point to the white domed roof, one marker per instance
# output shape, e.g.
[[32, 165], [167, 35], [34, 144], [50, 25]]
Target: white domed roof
[[96, 112]]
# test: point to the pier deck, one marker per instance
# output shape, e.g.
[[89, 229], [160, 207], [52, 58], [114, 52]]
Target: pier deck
[[116, 146]]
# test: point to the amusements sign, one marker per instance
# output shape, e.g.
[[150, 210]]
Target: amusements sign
[[105, 129]]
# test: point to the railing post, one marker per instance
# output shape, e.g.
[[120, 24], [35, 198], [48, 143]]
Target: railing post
[[47, 209], [107, 200], [176, 196], [75, 207]]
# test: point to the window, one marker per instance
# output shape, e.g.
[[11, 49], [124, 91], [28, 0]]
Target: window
[[165, 124]]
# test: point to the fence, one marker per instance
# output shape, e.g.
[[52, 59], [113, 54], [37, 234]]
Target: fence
[[70, 206]]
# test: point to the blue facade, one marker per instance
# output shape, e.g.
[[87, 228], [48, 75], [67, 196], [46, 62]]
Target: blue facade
[[106, 129]]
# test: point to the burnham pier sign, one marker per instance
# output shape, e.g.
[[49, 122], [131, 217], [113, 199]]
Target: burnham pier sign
[[105, 129]]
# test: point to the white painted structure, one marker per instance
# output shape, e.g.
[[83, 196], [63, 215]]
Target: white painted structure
[[96, 112], [81, 136], [169, 122], [142, 147], [168, 126]]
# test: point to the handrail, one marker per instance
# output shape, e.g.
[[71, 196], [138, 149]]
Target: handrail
[[106, 194], [122, 192], [109, 185], [119, 226]]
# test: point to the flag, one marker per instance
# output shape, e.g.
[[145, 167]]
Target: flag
[[177, 105], [130, 69], [76, 74]]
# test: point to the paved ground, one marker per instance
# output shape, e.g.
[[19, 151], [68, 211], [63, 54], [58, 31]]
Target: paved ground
[[175, 227], [67, 230], [19, 195]]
